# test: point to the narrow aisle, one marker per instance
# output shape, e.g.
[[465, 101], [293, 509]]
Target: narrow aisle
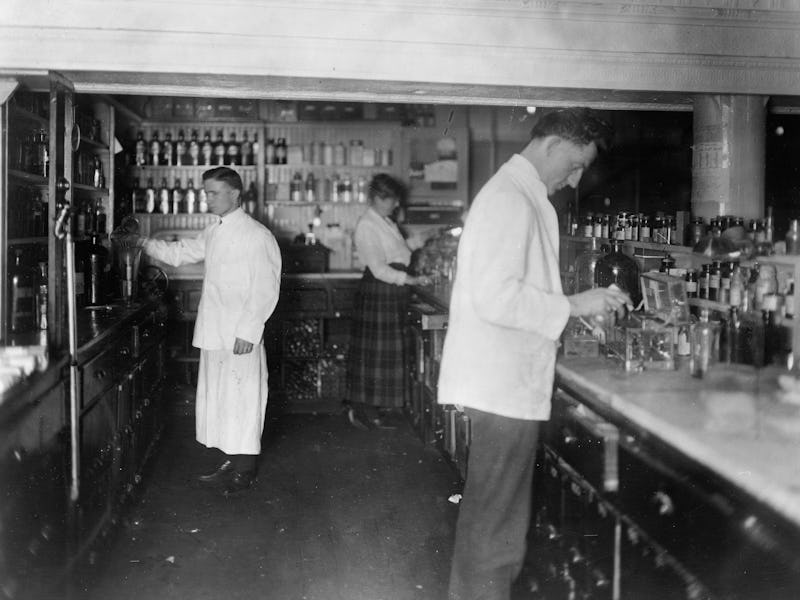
[[336, 514]]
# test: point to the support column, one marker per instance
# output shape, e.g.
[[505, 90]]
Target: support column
[[728, 156]]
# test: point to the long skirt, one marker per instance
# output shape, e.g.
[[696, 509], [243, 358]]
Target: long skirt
[[377, 354], [231, 400]]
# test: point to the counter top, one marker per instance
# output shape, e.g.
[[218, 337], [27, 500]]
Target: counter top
[[95, 327], [730, 422]]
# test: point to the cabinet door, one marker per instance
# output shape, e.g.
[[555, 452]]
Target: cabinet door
[[33, 512]]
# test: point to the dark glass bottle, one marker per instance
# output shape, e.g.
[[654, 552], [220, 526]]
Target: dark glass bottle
[[20, 295], [618, 268], [691, 283], [94, 272], [206, 150], [180, 149], [219, 149], [714, 277], [232, 155]]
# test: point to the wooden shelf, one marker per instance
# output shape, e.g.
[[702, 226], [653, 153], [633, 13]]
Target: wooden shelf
[[289, 166], [162, 168], [21, 113], [27, 240], [30, 178]]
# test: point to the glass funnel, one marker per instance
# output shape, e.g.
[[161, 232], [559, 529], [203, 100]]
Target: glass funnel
[[127, 247]]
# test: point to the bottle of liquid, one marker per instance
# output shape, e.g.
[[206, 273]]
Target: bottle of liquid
[[335, 188], [155, 150], [94, 272], [232, 155], [140, 152], [256, 148], [206, 150], [793, 237], [705, 346], [20, 294], [246, 151], [691, 283], [180, 150], [730, 338], [41, 295], [194, 150], [191, 197], [296, 188], [90, 226], [738, 290], [219, 149], [168, 151], [714, 277], [347, 189], [177, 197], [281, 151], [163, 197], [150, 197], [98, 179], [202, 200], [311, 188], [100, 218], [618, 268]]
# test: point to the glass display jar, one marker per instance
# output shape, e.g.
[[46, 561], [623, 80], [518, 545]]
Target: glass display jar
[[585, 266], [618, 268]]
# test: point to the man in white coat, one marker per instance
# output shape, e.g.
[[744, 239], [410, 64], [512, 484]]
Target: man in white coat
[[507, 312], [240, 291]]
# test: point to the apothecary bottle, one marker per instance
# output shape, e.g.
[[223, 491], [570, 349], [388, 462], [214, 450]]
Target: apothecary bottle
[[793, 237], [618, 268], [585, 267]]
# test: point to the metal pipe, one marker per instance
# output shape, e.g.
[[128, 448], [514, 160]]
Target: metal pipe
[[63, 230]]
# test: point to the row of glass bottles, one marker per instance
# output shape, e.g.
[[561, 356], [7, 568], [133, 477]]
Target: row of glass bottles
[[166, 200], [636, 227], [194, 152], [277, 152], [90, 218], [330, 189]]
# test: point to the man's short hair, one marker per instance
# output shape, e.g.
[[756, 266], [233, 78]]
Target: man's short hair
[[581, 126], [225, 175]]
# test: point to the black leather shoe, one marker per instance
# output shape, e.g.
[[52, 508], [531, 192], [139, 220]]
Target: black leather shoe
[[221, 475], [238, 482]]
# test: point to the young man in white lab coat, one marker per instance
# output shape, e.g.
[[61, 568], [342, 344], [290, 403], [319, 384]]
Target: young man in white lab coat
[[507, 312], [240, 290]]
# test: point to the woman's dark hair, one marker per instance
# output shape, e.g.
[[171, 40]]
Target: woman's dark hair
[[225, 175], [581, 126], [384, 185]]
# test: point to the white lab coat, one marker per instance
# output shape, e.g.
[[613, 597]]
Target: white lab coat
[[240, 290], [507, 309]]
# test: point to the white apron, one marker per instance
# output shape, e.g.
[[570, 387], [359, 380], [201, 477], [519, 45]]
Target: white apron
[[231, 400]]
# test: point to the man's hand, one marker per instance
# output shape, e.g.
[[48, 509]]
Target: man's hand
[[241, 346], [597, 301]]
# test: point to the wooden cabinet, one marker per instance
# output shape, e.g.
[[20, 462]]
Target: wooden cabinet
[[306, 341], [667, 528]]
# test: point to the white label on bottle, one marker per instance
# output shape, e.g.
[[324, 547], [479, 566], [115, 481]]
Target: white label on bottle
[[691, 286]]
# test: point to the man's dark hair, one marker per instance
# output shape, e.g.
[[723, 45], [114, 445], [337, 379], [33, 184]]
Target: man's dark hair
[[384, 185], [225, 175], [581, 126]]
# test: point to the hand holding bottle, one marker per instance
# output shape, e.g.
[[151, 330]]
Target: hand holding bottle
[[598, 301]]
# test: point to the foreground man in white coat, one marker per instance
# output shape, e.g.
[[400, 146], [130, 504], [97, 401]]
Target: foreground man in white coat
[[240, 290], [507, 312]]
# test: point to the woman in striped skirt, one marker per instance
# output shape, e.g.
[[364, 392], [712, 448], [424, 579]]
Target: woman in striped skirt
[[377, 358]]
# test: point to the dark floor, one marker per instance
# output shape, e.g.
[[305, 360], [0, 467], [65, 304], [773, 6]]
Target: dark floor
[[336, 514]]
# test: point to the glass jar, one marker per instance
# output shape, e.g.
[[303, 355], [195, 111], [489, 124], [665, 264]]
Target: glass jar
[[697, 230], [644, 228], [618, 268], [704, 345], [585, 267], [766, 283]]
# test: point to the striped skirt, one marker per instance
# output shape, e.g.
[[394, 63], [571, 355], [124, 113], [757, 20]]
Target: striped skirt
[[377, 355]]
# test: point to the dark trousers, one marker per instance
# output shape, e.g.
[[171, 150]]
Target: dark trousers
[[494, 514]]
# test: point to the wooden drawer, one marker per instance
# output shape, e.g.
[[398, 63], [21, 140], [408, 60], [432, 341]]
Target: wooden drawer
[[585, 442], [104, 370]]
